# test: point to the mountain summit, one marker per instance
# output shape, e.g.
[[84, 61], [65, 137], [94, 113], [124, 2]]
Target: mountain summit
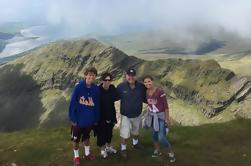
[[35, 88]]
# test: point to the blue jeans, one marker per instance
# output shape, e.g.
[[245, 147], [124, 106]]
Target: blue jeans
[[160, 136]]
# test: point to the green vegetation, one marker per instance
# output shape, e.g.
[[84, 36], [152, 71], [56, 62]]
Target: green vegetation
[[238, 63], [187, 114], [19, 99], [52, 70], [215, 144]]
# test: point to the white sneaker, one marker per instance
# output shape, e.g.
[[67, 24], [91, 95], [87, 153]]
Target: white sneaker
[[110, 150], [104, 154], [171, 157]]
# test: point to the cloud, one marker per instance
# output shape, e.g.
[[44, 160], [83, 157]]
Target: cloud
[[117, 16]]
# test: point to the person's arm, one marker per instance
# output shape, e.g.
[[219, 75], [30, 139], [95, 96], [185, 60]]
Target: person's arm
[[118, 92], [144, 95], [166, 106], [97, 106], [168, 120], [73, 107], [117, 96]]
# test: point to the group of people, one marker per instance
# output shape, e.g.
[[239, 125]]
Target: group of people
[[92, 107]]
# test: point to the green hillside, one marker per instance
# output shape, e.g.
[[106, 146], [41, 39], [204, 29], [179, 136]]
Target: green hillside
[[239, 63], [207, 145], [35, 88]]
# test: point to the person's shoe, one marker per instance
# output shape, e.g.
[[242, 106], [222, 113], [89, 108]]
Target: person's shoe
[[171, 157], [110, 150], [156, 153], [123, 154], [89, 157], [137, 146], [104, 154], [76, 161]]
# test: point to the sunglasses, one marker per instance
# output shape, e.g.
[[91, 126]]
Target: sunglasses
[[107, 80]]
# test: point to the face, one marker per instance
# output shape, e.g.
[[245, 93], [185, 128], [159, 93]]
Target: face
[[148, 83], [90, 78], [107, 82], [131, 79]]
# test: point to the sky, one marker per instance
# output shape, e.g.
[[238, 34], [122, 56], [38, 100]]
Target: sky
[[119, 16]]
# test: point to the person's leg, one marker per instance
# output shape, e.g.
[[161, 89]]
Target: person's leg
[[75, 137], [101, 140], [124, 134], [76, 158], [162, 135], [123, 143], [86, 142], [164, 141], [109, 134], [124, 131], [156, 146], [136, 125], [155, 140], [75, 149], [156, 151]]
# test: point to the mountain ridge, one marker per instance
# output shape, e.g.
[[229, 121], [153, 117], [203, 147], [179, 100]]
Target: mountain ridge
[[55, 67]]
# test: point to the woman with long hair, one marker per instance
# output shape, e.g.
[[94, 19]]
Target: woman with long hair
[[157, 117]]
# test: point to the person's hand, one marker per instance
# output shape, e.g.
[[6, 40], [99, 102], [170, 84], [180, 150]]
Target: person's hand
[[76, 82], [168, 123], [73, 124]]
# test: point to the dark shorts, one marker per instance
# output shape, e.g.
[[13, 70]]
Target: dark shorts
[[104, 133], [82, 133]]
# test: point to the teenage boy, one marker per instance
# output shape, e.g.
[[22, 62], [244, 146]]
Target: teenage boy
[[84, 113]]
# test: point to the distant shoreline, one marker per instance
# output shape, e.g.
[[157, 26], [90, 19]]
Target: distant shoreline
[[23, 41]]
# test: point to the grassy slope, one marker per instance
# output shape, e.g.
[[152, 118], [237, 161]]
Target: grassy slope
[[45, 62], [237, 63], [187, 114], [215, 144]]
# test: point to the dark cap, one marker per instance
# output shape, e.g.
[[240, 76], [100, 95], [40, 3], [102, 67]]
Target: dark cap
[[131, 72]]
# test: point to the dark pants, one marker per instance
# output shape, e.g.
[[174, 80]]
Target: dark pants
[[104, 133], [78, 133]]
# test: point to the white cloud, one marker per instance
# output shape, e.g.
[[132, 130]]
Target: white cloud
[[116, 16]]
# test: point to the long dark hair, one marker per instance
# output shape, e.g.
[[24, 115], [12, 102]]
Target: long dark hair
[[147, 77]]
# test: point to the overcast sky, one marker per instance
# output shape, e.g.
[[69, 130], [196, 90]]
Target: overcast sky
[[118, 16]]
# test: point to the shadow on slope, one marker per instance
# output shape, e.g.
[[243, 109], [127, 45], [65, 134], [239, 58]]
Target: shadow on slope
[[20, 102]]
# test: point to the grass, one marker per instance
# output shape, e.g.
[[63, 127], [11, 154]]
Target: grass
[[215, 144], [187, 114], [240, 66], [53, 65]]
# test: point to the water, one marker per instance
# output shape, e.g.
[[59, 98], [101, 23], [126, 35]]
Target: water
[[30, 38]]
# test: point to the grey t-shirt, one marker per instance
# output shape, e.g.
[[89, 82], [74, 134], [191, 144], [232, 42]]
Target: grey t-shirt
[[131, 100]]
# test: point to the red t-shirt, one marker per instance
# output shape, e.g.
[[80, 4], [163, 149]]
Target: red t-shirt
[[157, 102]]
